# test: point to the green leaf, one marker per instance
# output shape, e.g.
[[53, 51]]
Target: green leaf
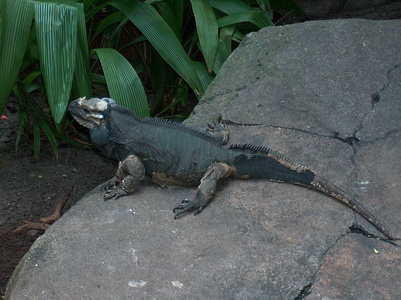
[[205, 77], [177, 6], [35, 86], [56, 30], [221, 56], [15, 23], [28, 108], [97, 78], [264, 4], [161, 74], [89, 15], [239, 12], [168, 15], [180, 96], [113, 18], [238, 36], [36, 139], [137, 40], [82, 80], [22, 116], [31, 77], [206, 26], [231, 7], [123, 83], [31, 55], [2, 21], [88, 3], [256, 17], [224, 48], [67, 2], [226, 36], [49, 134], [159, 34]]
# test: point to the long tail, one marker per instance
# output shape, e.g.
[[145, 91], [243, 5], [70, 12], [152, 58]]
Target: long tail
[[322, 185], [261, 162]]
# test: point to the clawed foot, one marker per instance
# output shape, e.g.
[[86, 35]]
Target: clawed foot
[[218, 130], [114, 192], [197, 204]]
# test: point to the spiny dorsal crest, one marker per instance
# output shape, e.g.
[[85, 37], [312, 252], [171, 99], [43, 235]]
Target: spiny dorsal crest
[[185, 127]]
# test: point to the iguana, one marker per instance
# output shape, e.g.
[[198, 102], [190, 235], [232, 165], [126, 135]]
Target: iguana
[[173, 153]]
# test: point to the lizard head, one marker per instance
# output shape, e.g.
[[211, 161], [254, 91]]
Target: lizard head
[[92, 112]]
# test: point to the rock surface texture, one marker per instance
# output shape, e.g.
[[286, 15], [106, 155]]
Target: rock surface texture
[[326, 94]]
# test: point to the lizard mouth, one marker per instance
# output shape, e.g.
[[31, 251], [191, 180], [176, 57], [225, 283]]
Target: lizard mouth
[[83, 122], [85, 119]]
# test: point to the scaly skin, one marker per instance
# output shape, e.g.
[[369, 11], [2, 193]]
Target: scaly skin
[[172, 153]]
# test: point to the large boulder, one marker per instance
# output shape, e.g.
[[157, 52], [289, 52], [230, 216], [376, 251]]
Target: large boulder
[[326, 94]]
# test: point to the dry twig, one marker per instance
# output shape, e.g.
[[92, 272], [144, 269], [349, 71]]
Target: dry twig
[[45, 221]]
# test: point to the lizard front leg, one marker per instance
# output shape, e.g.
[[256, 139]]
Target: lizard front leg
[[219, 131], [129, 174], [206, 190]]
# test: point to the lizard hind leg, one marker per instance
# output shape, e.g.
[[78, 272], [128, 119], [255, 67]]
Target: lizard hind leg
[[206, 190], [129, 174]]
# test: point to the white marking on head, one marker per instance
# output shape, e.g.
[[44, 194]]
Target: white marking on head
[[81, 99], [101, 105]]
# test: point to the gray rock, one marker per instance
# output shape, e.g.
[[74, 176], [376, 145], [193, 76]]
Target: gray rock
[[307, 90], [306, 77], [133, 249], [345, 274]]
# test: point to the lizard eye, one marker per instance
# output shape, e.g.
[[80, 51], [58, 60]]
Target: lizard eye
[[86, 111]]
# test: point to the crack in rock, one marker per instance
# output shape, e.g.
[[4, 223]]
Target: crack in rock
[[233, 123], [349, 140], [224, 93], [359, 229], [381, 138], [376, 99], [354, 229], [305, 291]]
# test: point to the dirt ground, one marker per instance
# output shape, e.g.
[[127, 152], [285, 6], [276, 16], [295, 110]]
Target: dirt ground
[[31, 188]]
